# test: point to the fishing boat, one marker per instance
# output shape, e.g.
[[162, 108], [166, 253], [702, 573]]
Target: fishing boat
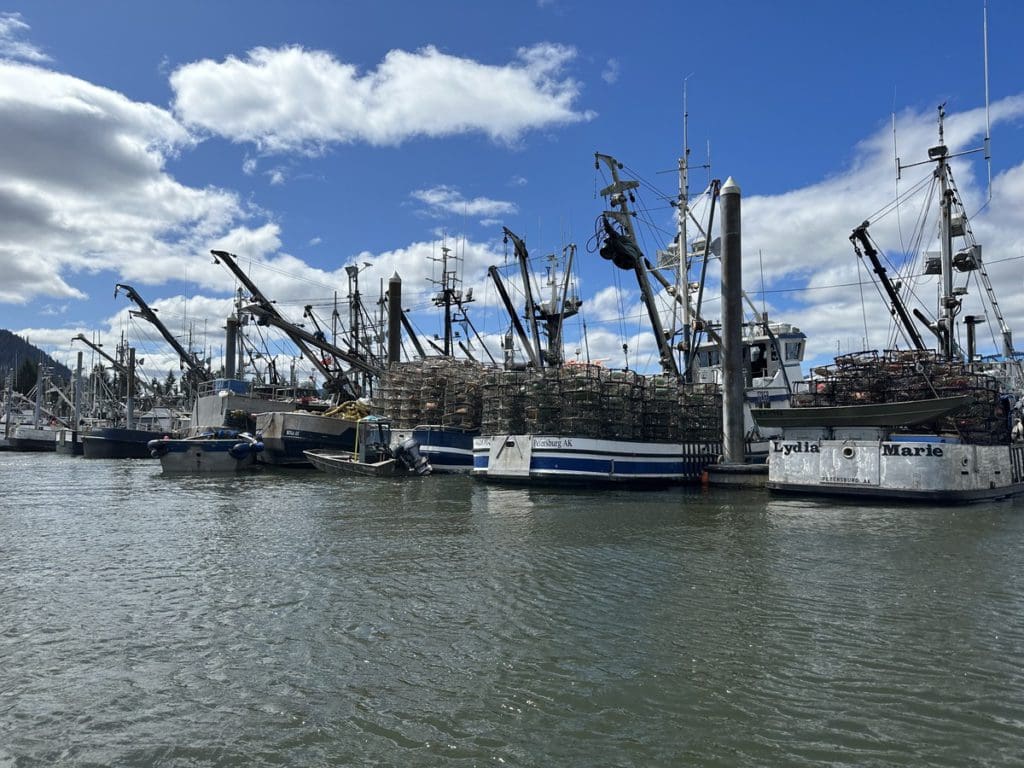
[[295, 418], [374, 454], [555, 422], [132, 442], [212, 450], [584, 424], [287, 435], [33, 438], [38, 427], [772, 354], [936, 425], [435, 399]]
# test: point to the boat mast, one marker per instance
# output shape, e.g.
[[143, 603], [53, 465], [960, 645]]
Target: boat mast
[[618, 193], [683, 267], [265, 312], [949, 303], [523, 257], [531, 353]]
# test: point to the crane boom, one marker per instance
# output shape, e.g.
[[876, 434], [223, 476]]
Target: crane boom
[[188, 358]]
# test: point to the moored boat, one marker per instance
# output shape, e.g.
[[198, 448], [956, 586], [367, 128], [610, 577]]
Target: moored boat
[[29, 437], [940, 425], [374, 455], [212, 450], [556, 459], [287, 435], [122, 442], [558, 422]]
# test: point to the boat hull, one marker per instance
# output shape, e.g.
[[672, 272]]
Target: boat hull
[[287, 435], [447, 449], [907, 468], [553, 459], [118, 443], [34, 439], [202, 455], [346, 463], [890, 414]]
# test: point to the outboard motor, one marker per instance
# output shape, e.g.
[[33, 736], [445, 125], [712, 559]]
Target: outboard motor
[[408, 454]]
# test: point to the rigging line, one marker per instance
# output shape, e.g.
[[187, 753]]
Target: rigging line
[[894, 205], [266, 266]]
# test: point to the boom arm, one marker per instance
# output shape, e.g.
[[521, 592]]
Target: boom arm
[[860, 234], [147, 313], [122, 369], [267, 312]]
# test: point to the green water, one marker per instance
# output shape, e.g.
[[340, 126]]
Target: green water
[[291, 618]]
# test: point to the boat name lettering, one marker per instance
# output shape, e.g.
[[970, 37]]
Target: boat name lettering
[[800, 446], [553, 442], [291, 433], [902, 449]]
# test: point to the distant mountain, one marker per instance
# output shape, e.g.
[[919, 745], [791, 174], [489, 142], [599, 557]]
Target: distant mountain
[[14, 351]]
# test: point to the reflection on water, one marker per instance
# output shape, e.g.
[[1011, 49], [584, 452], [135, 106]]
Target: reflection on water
[[296, 618]]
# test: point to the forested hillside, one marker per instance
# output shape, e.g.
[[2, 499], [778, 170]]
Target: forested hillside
[[21, 358]]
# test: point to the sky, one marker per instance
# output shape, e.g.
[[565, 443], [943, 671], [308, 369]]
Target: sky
[[306, 137]]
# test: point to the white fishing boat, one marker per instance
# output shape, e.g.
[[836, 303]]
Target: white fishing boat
[[941, 425], [559, 423], [34, 438], [287, 435]]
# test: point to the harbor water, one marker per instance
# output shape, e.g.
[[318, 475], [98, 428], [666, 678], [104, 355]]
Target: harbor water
[[294, 618]]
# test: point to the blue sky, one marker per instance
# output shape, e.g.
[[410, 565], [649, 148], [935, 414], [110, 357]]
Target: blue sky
[[309, 136]]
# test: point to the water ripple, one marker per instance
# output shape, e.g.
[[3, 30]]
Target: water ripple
[[299, 619]]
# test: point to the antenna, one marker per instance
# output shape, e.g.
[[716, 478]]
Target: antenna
[[988, 119]]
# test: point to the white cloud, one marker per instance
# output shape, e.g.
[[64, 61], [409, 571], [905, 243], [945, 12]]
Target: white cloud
[[85, 188], [11, 26], [443, 199], [610, 73], [802, 236], [293, 99]]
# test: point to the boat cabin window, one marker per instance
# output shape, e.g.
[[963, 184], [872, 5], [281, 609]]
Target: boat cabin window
[[377, 434], [794, 350], [758, 355], [709, 357]]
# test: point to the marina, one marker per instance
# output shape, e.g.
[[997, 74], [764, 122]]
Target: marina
[[438, 385]]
